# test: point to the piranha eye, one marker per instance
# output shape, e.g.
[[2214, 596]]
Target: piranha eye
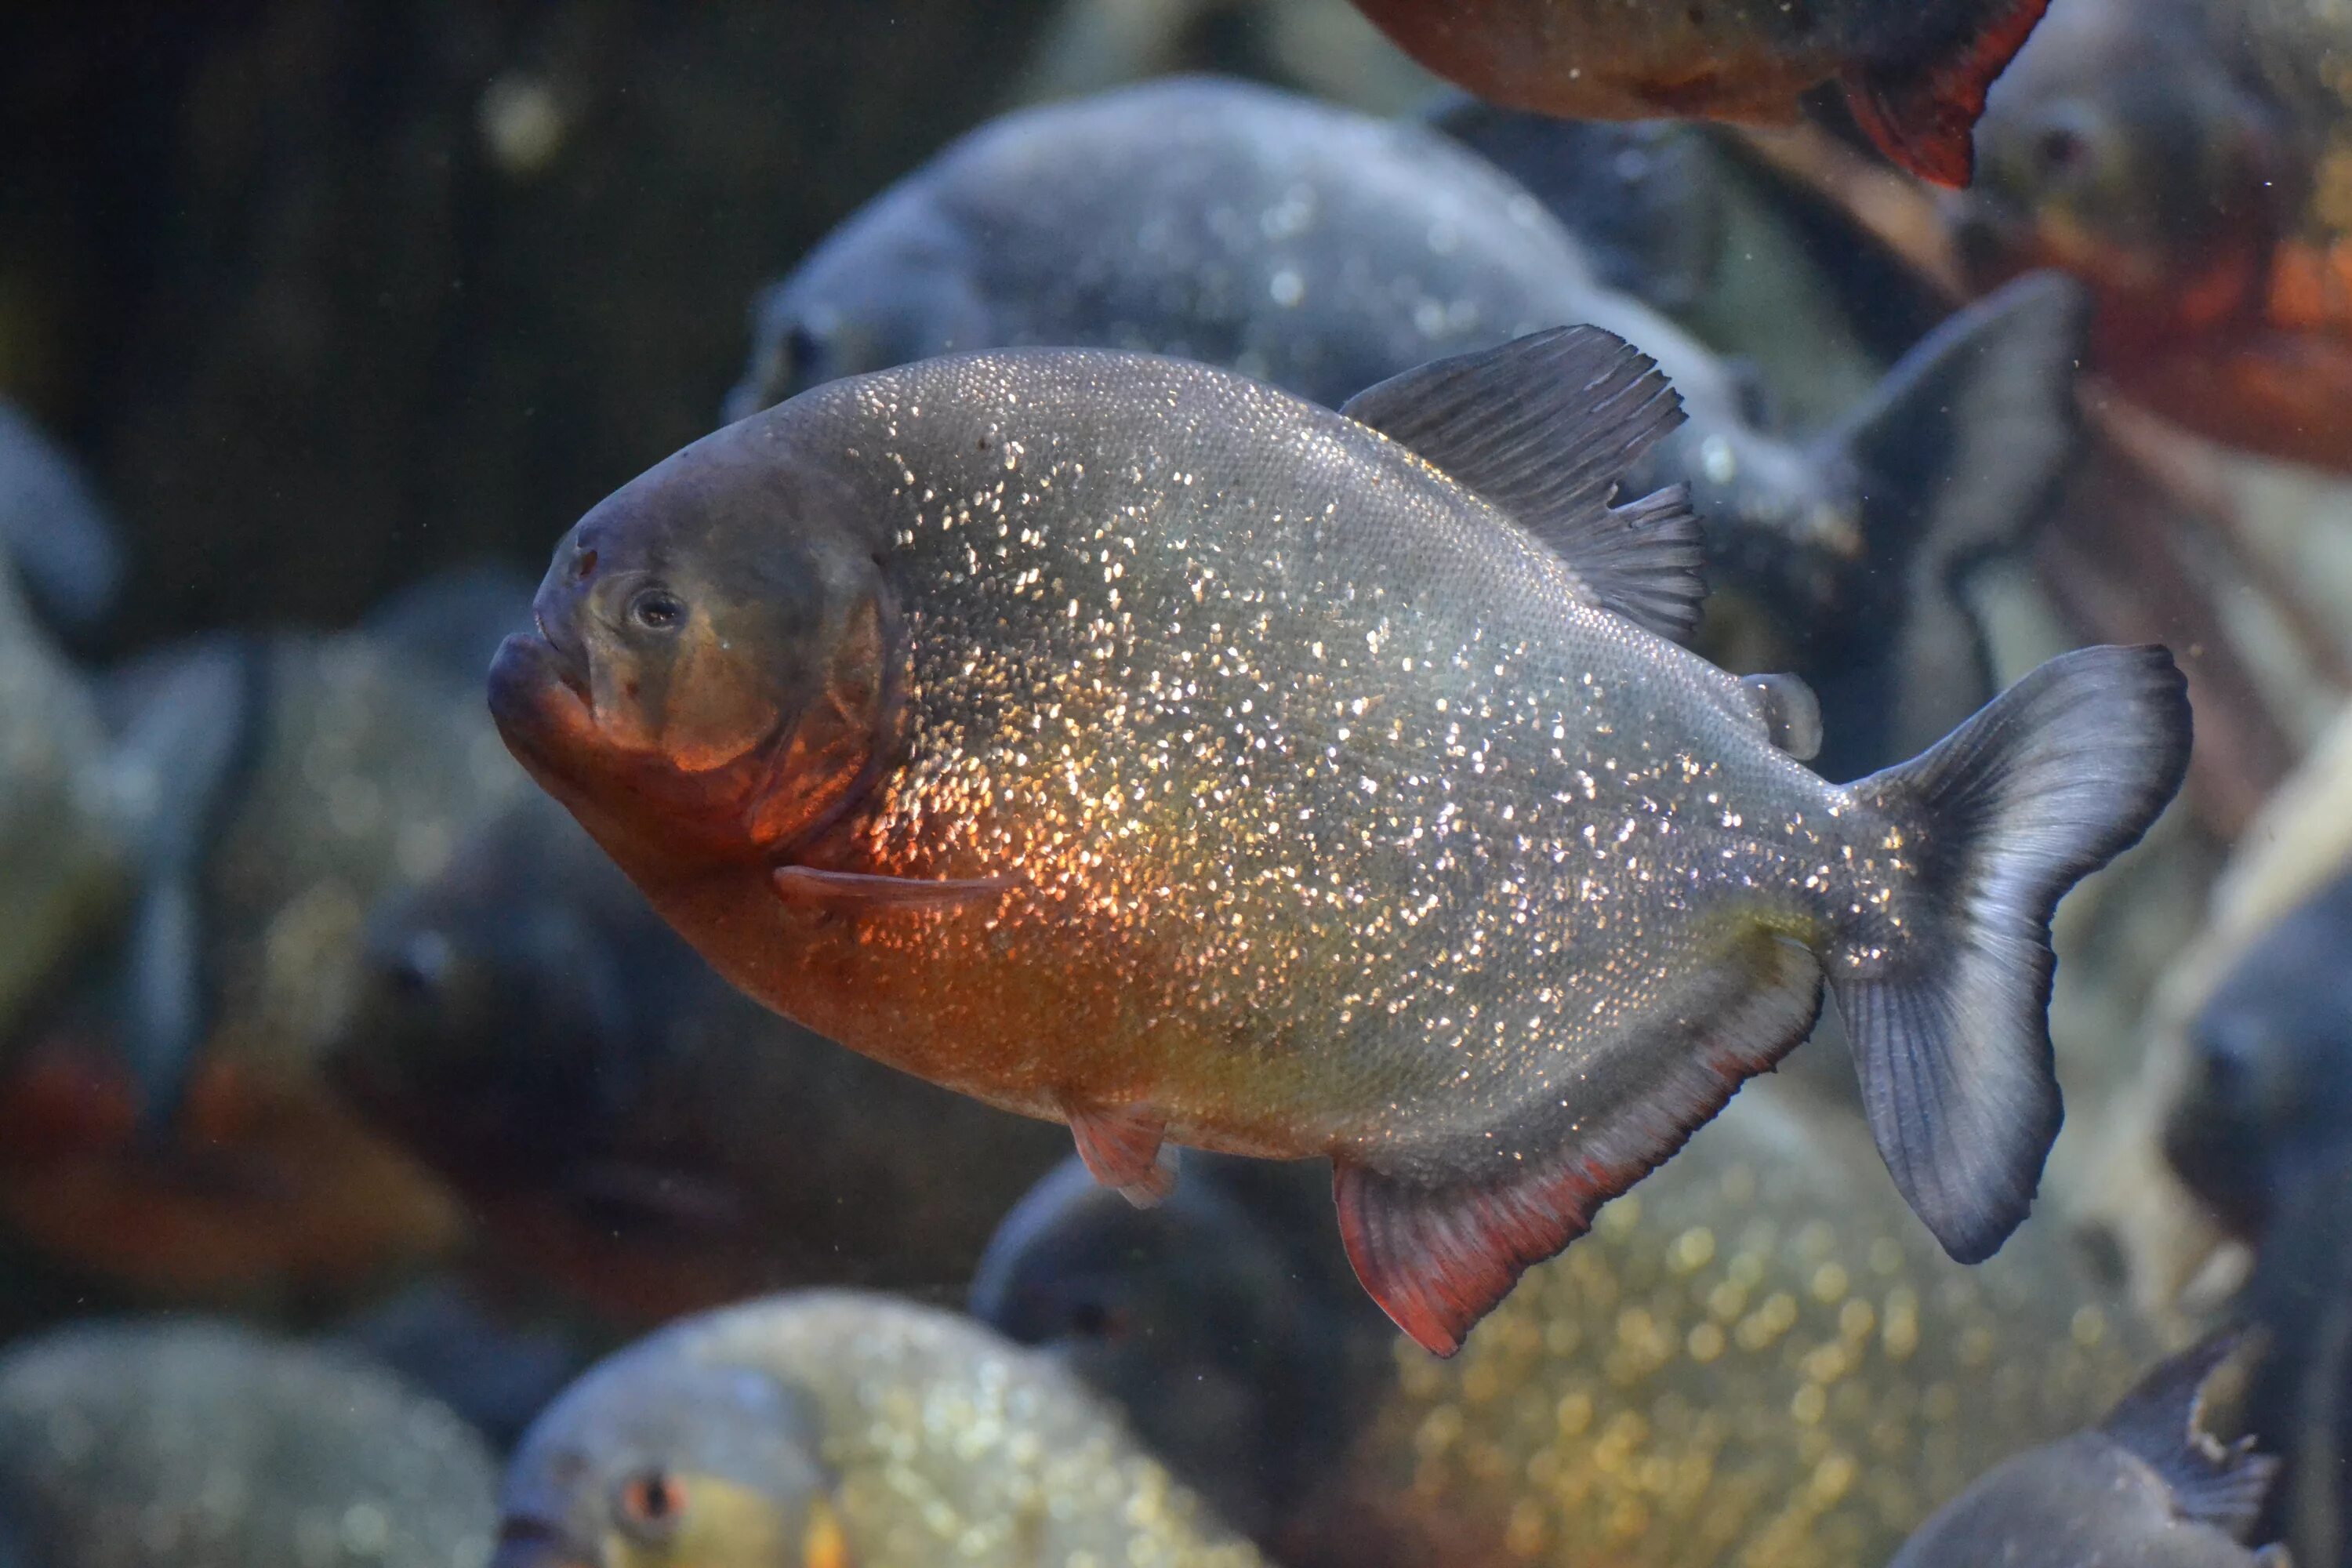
[[657, 610], [1093, 1319], [804, 356], [2067, 146], [2060, 148], [650, 1502]]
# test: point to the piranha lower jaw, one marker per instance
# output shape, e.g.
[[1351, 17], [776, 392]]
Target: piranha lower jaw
[[615, 790]]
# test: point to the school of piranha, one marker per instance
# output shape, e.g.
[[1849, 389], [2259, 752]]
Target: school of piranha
[[1331, 783]]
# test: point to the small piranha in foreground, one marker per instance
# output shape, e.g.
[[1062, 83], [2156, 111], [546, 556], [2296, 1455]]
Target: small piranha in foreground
[[190, 1444], [1756, 1359], [1130, 744], [2186, 159], [837, 1429], [2148, 1486], [1915, 74]]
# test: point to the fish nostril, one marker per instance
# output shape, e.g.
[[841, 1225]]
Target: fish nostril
[[583, 566]]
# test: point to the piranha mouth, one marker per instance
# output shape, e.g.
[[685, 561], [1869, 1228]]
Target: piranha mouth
[[571, 663], [534, 1543], [539, 701]]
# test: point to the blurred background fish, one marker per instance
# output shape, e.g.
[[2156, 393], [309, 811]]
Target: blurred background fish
[[1754, 1357], [2149, 1484], [2187, 159], [833, 1428], [529, 1025], [168, 1125], [196, 1443]]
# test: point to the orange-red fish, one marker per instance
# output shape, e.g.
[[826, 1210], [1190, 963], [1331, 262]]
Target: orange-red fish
[[1125, 743], [2191, 159], [1915, 71]]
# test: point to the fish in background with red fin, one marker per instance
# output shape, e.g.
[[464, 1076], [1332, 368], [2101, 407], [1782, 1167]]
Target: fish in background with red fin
[[1915, 73], [1125, 743], [2185, 159]]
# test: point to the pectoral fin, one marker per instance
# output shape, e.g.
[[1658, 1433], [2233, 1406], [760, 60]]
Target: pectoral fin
[[855, 890], [1125, 1149]]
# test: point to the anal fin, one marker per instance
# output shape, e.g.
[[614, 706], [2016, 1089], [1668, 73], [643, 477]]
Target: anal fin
[[1924, 116], [1437, 1257], [1127, 1148]]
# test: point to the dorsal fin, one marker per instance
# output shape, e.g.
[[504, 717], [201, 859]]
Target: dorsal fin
[[2161, 1422], [1544, 427], [1789, 713]]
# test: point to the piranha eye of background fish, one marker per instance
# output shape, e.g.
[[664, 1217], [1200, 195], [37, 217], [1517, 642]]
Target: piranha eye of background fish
[[2070, 145], [648, 1505]]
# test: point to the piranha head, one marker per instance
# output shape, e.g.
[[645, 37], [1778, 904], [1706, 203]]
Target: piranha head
[[714, 672], [656, 1460], [893, 285], [2119, 148]]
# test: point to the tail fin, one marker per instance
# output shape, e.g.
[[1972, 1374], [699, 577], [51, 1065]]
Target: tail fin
[[2052, 780], [2162, 1423], [1958, 454]]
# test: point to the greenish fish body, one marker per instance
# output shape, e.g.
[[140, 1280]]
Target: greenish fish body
[[835, 1429]]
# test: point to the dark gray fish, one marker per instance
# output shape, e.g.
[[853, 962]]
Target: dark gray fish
[[1644, 198], [207, 712], [66, 798], [529, 1025], [2261, 1131], [61, 539], [833, 1430], [188, 1444], [1224, 1321], [496, 1367], [2148, 1486], [1323, 252]]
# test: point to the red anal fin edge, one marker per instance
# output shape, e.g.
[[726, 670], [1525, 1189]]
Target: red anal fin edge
[[1438, 1256], [1127, 1148], [1925, 119], [803, 884], [1436, 1262]]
